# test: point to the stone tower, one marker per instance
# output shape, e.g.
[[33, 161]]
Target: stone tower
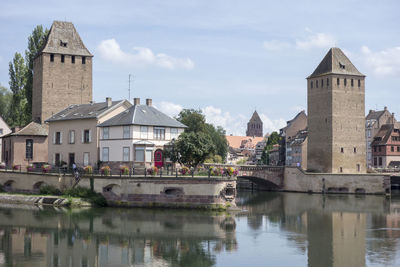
[[62, 72], [255, 126], [336, 116]]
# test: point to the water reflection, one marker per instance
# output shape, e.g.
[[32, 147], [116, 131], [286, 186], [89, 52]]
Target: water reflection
[[276, 228]]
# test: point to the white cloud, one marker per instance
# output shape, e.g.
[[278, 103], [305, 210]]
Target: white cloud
[[316, 40], [111, 51], [169, 108], [385, 62], [272, 125], [275, 45]]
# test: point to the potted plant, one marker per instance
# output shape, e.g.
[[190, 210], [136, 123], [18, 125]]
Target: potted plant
[[16, 167], [230, 171], [29, 168], [152, 171], [124, 170], [105, 170], [46, 168], [2, 165], [184, 170], [88, 169]]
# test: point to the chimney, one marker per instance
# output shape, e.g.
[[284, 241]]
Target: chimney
[[15, 129], [370, 111], [136, 101], [149, 102], [385, 108], [108, 101]]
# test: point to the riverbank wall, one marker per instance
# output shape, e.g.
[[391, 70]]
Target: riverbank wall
[[135, 191]]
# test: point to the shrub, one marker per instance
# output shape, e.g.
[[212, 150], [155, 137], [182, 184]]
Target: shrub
[[88, 169], [49, 190], [124, 170], [185, 170], [105, 170], [152, 171], [91, 196], [16, 167], [230, 171], [215, 171]]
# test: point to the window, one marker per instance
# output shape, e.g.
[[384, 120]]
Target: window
[[159, 133], [392, 148], [126, 132], [57, 159], [380, 148], [311, 84], [380, 161], [139, 154], [57, 138], [143, 132], [398, 149], [86, 136], [125, 153], [1, 131], [174, 133], [83, 60], [345, 82], [369, 132], [62, 58], [338, 81], [51, 57], [29, 149], [322, 83], [342, 150], [352, 82], [105, 154], [375, 162], [340, 169], [359, 83], [86, 158], [355, 150], [327, 81], [106, 131], [149, 154], [374, 148], [358, 167], [72, 137], [73, 59], [316, 83]]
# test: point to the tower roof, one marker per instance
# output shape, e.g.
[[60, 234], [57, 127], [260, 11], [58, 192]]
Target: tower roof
[[255, 117], [64, 39], [335, 62]]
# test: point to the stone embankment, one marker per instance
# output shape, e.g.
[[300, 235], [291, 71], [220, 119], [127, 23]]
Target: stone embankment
[[41, 200]]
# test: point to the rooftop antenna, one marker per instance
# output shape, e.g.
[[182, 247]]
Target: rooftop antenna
[[129, 86]]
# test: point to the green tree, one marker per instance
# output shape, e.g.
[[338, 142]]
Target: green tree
[[17, 72], [192, 148], [273, 139], [35, 43], [5, 101], [193, 119]]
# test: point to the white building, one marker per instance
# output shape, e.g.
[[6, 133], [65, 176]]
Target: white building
[[137, 136], [4, 129]]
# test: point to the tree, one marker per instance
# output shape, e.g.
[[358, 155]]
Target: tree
[[5, 100], [35, 43], [192, 148], [193, 119], [273, 139], [17, 72]]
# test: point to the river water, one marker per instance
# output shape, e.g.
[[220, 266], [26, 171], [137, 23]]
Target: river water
[[272, 229]]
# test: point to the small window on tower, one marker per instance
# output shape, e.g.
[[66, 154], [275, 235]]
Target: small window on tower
[[62, 58], [345, 82], [83, 60], [352, 82], [355, 150], [327, 81], [51, 57], [359, 83], [342, 150], [322, 83], [316, 83], [338, 81], [73, 59], [311, 84]]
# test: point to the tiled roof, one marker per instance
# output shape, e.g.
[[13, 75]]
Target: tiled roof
[[255, 117], [375, 115], [84, 111], [383, 134], [335, 62], [143, 115], [32, 129], [236, 141], [64, 39]]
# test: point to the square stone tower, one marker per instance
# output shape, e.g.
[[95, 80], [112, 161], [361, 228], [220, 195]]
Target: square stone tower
[[336, 116], [62, 72], [255, 126]]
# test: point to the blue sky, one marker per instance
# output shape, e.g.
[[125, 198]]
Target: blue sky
[[224, 57]]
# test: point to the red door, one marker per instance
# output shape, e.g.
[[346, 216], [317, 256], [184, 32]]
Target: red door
[[158, 159]]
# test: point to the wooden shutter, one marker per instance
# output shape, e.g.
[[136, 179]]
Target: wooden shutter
[[61, 139], [82, 135], [54, 138], [90, 136]]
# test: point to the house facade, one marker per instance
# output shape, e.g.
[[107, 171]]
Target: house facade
[[137, 138], [25, 146], [298, 150], [386, 147], [73, 132], [373, 122], [4, 130]]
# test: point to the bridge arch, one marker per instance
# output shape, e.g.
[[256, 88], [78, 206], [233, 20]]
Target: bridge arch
[[9, 186], [38, 185], [112, 188]]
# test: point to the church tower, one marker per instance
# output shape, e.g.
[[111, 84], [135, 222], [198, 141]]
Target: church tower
[[62, 72], [336, 116], [255, 126]]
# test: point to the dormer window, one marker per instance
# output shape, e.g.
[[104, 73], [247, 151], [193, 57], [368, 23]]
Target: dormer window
[[73, 59], [63, 44], [342, 66], [62, 58], [83, 60], [51, 57]]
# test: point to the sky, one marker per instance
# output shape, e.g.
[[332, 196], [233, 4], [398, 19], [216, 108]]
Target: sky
[[227, 58]]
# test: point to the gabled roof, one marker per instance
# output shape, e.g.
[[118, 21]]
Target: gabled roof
[[255, 117], [142, 115], [288, 123], [32, 129], [375, 115], [64, 39], [85, 111], [383, 134], [236, 141], [335, 62]]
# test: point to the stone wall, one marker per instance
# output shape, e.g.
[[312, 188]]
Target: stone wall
[[299, 181]]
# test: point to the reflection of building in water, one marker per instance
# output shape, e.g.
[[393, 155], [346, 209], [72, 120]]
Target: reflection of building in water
[[336, 239]]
